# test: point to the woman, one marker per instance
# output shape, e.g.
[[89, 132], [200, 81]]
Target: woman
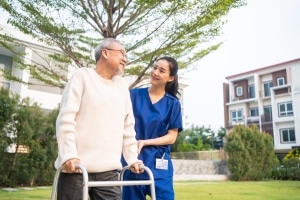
[[158, 120]]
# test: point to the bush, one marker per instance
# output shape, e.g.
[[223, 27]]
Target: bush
[[251, 153], [290, 167]]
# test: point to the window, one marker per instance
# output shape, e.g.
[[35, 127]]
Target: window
[[5, 64], [280, 81], [237, 115], [287, 135], [267, 116], [253, 112], [239, 91], [251, 91], [267, 110], [285, 109], [267, 86]]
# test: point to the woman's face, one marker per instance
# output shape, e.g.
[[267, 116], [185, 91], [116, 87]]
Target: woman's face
[[160, 73]]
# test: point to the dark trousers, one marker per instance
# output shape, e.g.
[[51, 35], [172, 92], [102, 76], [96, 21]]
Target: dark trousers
[[70, 186]]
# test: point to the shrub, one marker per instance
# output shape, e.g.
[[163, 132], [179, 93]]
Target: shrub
[[290, 167], [251, 153]]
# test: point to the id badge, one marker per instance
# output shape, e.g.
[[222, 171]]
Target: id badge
[[161, 164]]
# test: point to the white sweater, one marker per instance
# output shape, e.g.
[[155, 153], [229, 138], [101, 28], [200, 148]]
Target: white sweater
[[95, 123]]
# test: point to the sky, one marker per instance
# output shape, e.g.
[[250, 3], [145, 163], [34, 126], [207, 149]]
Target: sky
[[262, 33]]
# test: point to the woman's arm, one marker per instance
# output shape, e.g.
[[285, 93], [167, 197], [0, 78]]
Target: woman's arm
[[167, 139]]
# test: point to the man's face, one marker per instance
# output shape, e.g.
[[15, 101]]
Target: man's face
[[117, 58]]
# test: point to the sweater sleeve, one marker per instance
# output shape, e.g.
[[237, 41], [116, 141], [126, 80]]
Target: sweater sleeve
[[129, 141], [65, 123]]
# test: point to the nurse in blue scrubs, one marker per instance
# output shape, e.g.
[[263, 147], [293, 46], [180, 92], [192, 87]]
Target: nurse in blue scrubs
[[158, 121]]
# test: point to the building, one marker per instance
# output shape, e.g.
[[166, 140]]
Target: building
[[268, 97], [35, 52]]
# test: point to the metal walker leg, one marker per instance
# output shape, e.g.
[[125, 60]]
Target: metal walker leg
[[121, 182]]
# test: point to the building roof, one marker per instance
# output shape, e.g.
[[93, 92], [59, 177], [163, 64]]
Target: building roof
[[262, 68]]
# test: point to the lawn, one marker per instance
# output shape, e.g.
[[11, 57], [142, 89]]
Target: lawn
[[229, 190], [194, 190]]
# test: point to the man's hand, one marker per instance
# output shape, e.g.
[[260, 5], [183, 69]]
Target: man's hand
[[137, 167], [70, 165]]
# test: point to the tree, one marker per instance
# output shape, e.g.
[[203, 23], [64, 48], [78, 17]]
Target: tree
[[221, 132], [148, 29], [251, 153], [7, 107], [194, 139], [30, 129]]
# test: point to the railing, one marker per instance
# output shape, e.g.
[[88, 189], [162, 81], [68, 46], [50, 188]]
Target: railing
[[252, 119], [233, 98], [234, 123], [266, 118]]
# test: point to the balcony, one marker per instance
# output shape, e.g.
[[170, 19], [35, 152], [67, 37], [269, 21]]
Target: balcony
[[234, 123], [266, 118], [237, 100], [253, 119], [233, 98], [281, 89]]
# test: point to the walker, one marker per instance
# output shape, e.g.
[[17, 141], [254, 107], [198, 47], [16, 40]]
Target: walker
[[86, 183]]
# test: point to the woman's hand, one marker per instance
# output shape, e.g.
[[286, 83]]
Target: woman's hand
[[141, 144]]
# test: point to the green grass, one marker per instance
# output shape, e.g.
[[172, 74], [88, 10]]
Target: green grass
[[22, 194], [229, 190], [192, 190]]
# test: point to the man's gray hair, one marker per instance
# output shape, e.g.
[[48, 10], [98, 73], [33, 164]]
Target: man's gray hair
[[106, 43]]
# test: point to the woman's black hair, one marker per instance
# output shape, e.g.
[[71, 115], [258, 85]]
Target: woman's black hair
[[173, 86]]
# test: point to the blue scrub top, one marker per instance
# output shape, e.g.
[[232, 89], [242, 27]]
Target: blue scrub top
[[153, 121]]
